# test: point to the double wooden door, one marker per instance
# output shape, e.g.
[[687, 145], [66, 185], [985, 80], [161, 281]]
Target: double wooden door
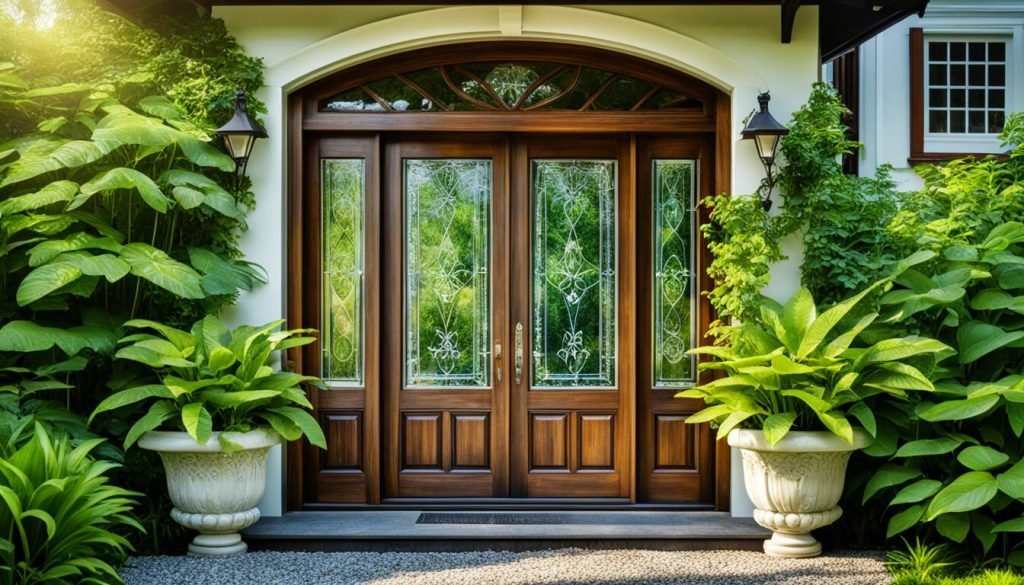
[[507, 333], [525, 308]]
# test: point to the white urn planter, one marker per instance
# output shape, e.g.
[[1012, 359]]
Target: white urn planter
[[795, 485], [214, 492]]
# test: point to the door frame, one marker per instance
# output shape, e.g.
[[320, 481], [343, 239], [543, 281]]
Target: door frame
[[309, 128]]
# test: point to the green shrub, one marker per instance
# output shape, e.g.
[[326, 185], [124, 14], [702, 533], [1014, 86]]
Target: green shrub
[[58, 514], [794, 368], [954, 459], [212, 378]]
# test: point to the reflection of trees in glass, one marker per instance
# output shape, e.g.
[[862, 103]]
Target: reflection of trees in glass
[[342, 188], [447, 282], [673, 300], [574, 273]]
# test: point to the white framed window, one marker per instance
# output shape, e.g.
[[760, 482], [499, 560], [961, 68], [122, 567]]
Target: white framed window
[[968, 92]]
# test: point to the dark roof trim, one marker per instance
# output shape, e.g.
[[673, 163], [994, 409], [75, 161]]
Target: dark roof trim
[[845, 24]]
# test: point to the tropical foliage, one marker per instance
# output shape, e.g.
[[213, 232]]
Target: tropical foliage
[[955, 459], [793, 368], [59, 514], [214, 379]]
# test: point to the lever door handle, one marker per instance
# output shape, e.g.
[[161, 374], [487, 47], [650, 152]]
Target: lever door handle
[[519, 353]]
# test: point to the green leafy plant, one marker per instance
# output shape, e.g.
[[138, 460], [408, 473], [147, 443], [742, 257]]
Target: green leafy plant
[[59, 514], [954, 458], [924, 561], [213, 378], [795, 368]]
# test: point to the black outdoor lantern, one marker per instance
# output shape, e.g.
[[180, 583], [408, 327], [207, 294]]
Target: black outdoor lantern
[[766, 132], [240, 133]]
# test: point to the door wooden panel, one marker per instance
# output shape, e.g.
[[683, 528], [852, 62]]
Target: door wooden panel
[[594, 425], [675, 461], [471, 440], [344, 435], [595, 442], [445, 309]]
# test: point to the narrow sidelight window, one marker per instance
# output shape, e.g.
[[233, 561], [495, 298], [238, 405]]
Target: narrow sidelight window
[[674, 290], [343, 184]]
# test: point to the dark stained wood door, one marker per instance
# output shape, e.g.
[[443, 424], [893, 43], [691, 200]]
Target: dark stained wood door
[[445, 314], [572, 320]]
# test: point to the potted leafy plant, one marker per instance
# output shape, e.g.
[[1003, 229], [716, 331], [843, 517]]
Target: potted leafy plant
[[791, 383], [212, 378]]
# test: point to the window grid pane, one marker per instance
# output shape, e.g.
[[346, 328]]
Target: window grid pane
[[674, 300], [343, 193], [966, 85]]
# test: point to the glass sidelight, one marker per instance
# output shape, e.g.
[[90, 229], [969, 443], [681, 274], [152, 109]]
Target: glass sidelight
[[447, 282], [574, 273]]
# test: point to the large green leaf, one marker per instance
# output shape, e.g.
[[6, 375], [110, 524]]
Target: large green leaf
[[1011, 481], [181, 340], [222, 399], [823, 324], [917, 491], [310, 428], [976, 340], [131, 396], [66, 155], [125, 178], [197, 422], [159, 413], [928, 447], [904, 520], [160, 107], [889, 476], [1015, 525], [48, 250], [45, 280], [970, 491], [56, 192], [798, 314], [157, 267], [106, 265], [954, 526], [982, 458], [862, 412], [959, 409], [777, 425], [890, 350]]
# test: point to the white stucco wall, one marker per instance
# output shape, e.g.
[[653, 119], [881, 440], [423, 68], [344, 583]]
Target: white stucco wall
[[885, 77], [734, 48]]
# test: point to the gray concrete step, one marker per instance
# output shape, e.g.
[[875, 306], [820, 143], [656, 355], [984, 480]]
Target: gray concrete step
[[390, 530]]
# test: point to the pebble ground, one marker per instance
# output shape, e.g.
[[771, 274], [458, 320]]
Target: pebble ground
[[562, 567]]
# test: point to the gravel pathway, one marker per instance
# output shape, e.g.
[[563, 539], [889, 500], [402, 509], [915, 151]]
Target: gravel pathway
[[565, 566]]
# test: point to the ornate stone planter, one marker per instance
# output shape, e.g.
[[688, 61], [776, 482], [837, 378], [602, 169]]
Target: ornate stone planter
[[214, 492], [795, 485]]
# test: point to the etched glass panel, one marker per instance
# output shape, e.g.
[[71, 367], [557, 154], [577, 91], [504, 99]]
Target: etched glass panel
[[447, 291], [343, 187], [574, 278], [673, 268]]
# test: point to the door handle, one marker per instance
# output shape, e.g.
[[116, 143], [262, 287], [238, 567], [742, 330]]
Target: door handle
[[519, 353], [497, 359]]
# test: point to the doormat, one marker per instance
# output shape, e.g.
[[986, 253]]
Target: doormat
[[551, 518]]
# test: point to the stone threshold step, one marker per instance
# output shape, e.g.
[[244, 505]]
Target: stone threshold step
[[411, 530]]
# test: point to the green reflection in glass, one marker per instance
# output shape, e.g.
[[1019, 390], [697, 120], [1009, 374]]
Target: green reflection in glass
[[342, 184], [574, 276], [447, 291], [673, 261]]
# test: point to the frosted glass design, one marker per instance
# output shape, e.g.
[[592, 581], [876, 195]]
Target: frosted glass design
[[673, 261], [574, 278], [447, 290], [342, 188]]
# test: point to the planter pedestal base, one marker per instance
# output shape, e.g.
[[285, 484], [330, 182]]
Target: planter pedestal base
[[791, 536], [218, 533]]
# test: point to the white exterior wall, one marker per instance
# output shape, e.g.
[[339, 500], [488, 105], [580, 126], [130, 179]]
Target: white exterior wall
[[885, 77], [737, 49]]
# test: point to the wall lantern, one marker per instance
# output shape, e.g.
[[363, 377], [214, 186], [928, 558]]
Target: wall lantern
[[766, 132], [240, 133]]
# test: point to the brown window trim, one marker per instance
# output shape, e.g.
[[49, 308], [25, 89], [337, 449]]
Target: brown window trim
[[917, 89]]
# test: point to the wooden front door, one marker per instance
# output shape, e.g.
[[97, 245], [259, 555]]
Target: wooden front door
[[505, 286], [502, 253]]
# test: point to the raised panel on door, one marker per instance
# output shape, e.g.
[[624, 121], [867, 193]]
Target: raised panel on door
[[675, 460], [342, 214], [572, 323], [445, 298]]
